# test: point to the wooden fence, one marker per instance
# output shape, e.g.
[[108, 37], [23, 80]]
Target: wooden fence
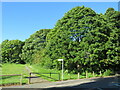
[[14, 75], [50, 76]]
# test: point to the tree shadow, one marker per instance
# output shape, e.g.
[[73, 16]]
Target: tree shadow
[[48, 77], [107, 83]]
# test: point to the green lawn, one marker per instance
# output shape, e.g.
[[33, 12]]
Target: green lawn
[[8, 69]]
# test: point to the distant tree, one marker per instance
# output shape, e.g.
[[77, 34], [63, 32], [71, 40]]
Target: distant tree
[[34, 43], [10, 51]]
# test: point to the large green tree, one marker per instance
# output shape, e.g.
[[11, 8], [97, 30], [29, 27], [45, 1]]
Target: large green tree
[[83, 37], [65, 37], [113, 45]]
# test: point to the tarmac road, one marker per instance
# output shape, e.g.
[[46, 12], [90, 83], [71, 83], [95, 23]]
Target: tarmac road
[[107, 83]]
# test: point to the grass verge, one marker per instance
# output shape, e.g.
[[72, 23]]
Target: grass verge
[[48, 74], [9, 69]]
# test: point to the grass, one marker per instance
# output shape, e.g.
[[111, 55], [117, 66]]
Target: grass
[[44, 73], [10, 79], [13, 69], [8, 69]]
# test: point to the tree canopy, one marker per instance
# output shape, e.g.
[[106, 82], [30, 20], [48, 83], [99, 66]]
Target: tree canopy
[[34, 43], [81, 37], [11, 50]]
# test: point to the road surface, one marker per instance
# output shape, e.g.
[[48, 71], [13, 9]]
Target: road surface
[[108, 83]]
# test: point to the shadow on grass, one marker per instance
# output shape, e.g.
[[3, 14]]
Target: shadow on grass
[[48, 77]]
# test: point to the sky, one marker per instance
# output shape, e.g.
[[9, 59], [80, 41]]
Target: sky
[[60, 0], [21, 19]]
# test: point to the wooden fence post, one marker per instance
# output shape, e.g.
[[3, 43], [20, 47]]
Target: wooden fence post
[[29, 79], [93, 74], [59, 75], [78, 75], [86, 74], [21, 79], [50, 74], [69, 76], [100, 74]]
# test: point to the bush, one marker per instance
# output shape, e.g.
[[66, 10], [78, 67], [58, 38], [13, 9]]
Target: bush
[[83, 74], [107, 73], [90, 75]]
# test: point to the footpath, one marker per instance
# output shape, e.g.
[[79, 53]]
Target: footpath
[[34, 78]]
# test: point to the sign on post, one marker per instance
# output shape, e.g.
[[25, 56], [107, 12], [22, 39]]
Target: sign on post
[[62, 67], [60, 59]]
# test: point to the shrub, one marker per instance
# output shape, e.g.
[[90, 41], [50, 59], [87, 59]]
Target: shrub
[[107, 73]]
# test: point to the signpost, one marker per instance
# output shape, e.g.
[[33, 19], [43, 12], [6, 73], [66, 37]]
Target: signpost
[[62, 67], [78, 66]]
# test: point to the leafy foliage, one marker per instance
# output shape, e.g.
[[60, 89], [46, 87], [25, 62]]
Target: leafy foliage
[[83, 37], [35, 43], [10, 51]]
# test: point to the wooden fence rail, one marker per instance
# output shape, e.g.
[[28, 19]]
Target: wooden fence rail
[[29, 80], [14, 75], [11, 75], [47, 73], [43, 73]]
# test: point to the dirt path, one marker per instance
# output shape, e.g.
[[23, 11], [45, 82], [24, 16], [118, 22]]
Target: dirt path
[[28, 69], [34, 77]]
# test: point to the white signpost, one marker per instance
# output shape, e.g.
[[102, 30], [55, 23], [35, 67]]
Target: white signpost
[[62, 67]]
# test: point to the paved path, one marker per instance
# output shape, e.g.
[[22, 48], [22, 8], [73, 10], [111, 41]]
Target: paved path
[[34, 77], [99, 83]]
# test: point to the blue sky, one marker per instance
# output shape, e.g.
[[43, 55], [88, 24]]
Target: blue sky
[[21, 19]]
